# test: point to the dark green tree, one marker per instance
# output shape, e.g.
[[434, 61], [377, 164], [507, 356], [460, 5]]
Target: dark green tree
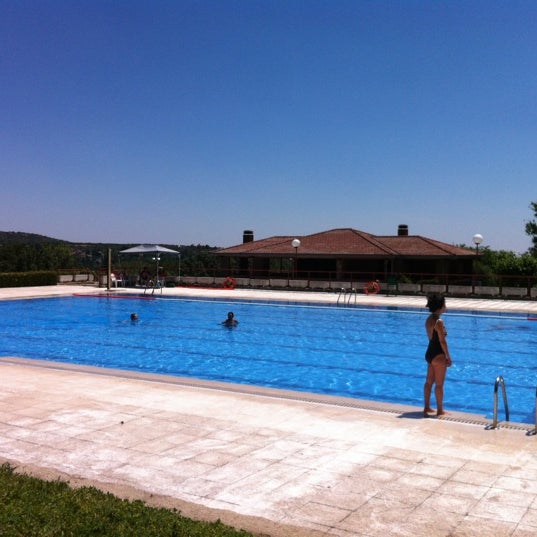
[[531, 229], [504, 266]]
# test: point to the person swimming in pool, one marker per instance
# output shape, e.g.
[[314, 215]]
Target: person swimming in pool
[[134, 317], [230, 321], [437, 355]]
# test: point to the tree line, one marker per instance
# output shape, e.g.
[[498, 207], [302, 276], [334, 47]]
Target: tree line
[[26, 252], [507, 263], [23, 252]]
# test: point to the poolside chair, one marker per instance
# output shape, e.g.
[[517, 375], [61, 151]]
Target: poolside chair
[[118, 280]]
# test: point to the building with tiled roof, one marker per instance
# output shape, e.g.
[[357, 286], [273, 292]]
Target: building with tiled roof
[[347, 253]]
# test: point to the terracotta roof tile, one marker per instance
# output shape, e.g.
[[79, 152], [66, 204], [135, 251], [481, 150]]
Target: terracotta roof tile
[[347, 242]]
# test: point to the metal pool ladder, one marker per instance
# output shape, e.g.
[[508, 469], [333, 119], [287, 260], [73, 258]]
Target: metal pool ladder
[[535, 430], [499, 382], [343, 293]]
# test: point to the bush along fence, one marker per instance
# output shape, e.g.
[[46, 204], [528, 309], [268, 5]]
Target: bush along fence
[[28, 279]]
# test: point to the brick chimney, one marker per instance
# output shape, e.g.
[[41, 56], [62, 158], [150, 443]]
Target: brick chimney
[[402, 230], [247, 236]]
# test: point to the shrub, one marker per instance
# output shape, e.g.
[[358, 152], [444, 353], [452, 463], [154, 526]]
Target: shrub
[[28, 279]]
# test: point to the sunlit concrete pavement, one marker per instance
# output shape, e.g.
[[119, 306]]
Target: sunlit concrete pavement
[[276, 463]]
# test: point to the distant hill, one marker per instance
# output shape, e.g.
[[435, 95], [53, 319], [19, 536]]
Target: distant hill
[[18, 237]]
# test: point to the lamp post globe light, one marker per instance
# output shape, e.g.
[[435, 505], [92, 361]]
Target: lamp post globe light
[[478, 239]]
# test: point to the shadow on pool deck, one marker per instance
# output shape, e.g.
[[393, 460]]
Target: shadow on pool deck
[[276, 463]]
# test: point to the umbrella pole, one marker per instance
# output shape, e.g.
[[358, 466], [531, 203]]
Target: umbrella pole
[[109, 275]]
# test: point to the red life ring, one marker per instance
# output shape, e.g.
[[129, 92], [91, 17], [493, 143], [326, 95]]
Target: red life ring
[[372, 288], [229, 283]]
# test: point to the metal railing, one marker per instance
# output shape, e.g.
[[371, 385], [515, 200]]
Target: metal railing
[[347, 295], [401, 283], [535, 430], [499, 382]]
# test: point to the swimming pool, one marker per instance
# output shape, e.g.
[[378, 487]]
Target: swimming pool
[[363, 353]]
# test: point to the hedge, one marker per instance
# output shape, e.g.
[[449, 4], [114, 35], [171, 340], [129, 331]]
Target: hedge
[[28, 279]]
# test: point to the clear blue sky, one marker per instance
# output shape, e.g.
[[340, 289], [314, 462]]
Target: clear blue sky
[[184, 122]]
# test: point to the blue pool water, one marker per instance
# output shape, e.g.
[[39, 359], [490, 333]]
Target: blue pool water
[[360, 353]]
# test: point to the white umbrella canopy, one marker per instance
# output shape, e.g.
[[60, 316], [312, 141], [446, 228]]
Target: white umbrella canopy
[[148, 249], [155, 250]]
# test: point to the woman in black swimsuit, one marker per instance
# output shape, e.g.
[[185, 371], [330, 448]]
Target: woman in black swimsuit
[[437, 355]]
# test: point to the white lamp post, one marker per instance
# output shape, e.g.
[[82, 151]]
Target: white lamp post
[[478, 239], [295, 243]]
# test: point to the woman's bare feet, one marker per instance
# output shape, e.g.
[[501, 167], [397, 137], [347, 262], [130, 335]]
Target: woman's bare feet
[[427, 411]]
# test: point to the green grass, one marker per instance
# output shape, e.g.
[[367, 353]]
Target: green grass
[[31, 507]]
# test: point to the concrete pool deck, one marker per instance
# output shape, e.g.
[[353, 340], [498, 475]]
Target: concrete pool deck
[[272, 462]]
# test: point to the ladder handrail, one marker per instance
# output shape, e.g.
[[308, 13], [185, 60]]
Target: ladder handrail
[[535, 431], [499, 381], [346, 300]]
